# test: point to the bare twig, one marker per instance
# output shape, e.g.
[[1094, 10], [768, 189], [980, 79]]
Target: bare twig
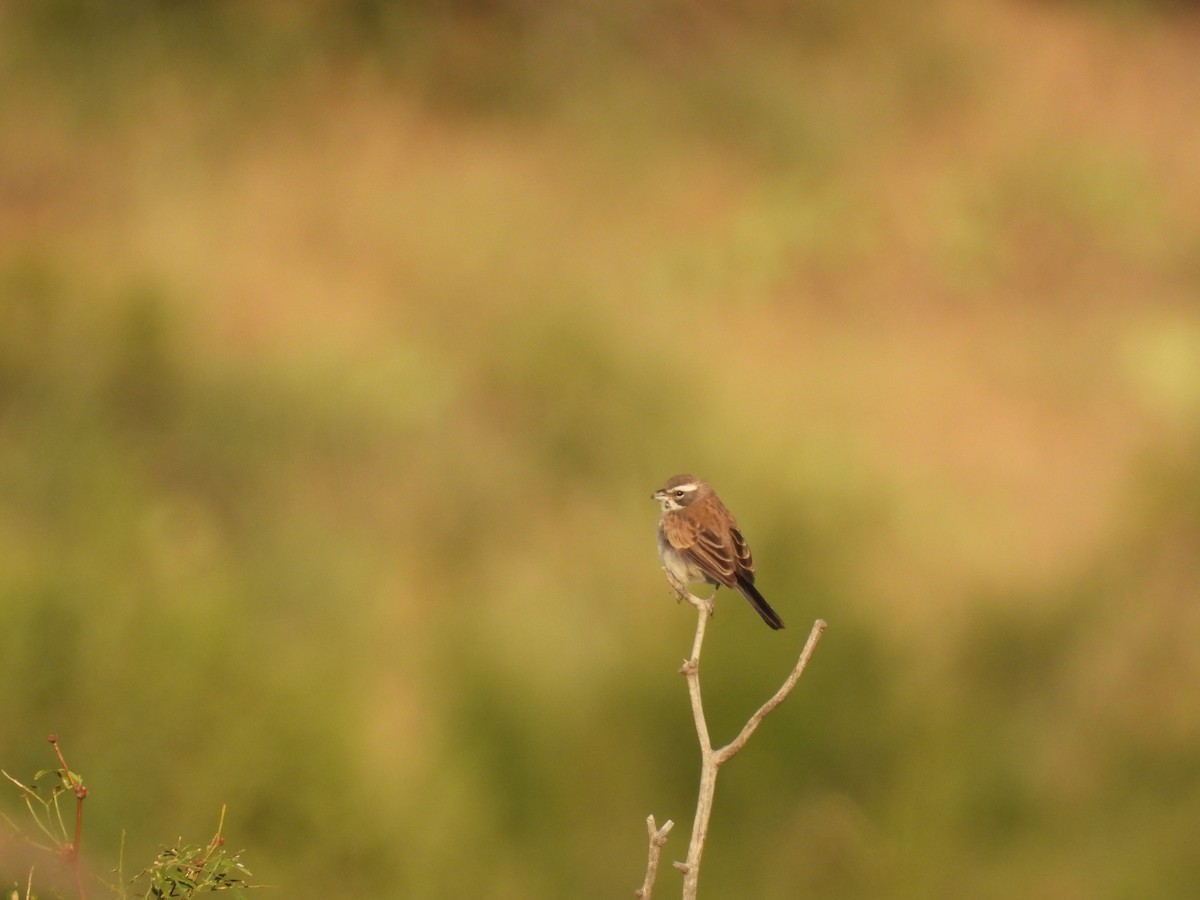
[[711, 760], [658, 837], [729, 750], [71, 851]]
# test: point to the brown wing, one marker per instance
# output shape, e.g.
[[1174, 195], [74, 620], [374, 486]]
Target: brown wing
[[717, 558], [745, 562]]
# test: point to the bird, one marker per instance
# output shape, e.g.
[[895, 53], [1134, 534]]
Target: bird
[[699, 540]]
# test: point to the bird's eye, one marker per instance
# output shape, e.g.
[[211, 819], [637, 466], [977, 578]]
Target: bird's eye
[[679, 494]]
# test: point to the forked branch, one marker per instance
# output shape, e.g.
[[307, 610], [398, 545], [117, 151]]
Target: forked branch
[[712, 759], [658, 837]]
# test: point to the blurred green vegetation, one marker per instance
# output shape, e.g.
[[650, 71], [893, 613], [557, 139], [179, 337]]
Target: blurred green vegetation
[[341, 345]]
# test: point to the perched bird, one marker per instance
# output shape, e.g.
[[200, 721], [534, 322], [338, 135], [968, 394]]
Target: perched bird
[[699, 540]]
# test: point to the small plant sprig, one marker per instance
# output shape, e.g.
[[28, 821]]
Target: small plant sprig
[[48, 816], [182, 871]]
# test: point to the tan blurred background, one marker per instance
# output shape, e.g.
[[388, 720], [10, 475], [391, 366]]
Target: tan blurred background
[[342, 344]]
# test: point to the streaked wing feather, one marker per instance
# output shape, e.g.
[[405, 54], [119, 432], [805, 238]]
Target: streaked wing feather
[[745, 562], [712, 555]]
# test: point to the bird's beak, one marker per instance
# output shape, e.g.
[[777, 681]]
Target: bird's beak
[[657, 495]]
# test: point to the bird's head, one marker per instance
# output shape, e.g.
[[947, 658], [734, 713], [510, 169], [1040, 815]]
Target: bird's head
[[680, 491]]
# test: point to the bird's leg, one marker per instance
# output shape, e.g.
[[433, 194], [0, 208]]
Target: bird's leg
[[681, 591]]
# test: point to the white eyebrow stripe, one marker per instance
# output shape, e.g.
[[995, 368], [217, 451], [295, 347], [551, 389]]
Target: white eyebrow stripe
[[687, 487]]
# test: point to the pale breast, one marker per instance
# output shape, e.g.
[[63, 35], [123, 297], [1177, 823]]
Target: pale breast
[[679, 566]]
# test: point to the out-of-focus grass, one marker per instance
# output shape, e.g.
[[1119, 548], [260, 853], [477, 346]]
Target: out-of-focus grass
[[341, 346]]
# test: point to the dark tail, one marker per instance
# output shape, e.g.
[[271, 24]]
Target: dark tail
[[761, 606]]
